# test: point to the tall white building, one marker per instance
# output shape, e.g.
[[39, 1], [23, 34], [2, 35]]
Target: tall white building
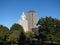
[[23, 22]]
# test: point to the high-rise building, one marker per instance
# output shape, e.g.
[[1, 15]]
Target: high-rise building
[[31, 17], [23, 22]]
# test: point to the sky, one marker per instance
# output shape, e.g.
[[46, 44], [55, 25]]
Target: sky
[[11, 10]]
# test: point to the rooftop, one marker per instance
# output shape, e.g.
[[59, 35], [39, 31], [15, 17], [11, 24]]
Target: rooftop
[[31, 11]]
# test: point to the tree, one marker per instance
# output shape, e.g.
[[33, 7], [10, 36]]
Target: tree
[[3, 33], [14, 37], [22, 38], [16, 27], [14, 34], [50, 27], [28, 35]]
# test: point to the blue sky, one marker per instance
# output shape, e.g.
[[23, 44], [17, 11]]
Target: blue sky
[[10, 10]]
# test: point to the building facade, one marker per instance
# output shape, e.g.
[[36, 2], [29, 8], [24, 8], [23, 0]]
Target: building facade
[[23, 22], [31, 18]]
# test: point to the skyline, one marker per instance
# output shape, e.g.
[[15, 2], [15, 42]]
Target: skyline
[[11, 10]]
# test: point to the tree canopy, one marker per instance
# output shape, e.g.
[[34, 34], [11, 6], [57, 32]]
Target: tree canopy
[[50, 27], [15, 31], [3, 32]]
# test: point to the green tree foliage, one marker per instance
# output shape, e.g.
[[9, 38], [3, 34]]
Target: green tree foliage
[[50, 27], [16, 27], [22, 38], [15, 31], [28, 35], [14, 37], [3, 33]]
